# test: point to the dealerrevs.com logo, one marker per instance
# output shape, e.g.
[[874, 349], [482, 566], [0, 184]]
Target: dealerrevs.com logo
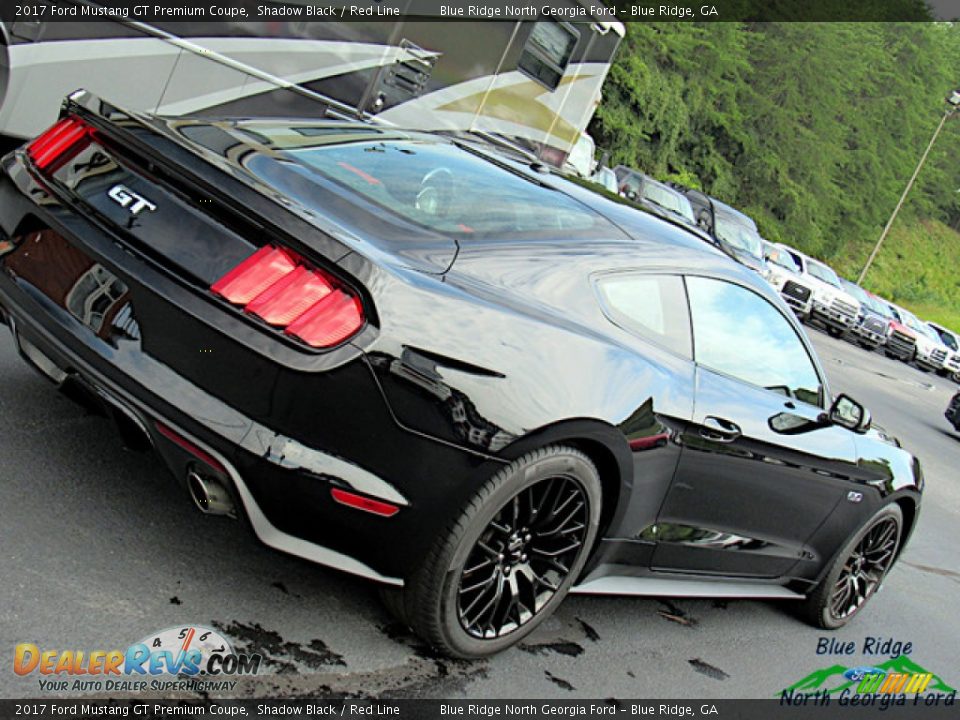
[[172, 659]]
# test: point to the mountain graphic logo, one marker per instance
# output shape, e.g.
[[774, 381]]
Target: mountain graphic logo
[[837, 678]]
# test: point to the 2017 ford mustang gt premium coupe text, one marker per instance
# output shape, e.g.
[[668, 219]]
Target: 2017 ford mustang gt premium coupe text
[[409, 358]]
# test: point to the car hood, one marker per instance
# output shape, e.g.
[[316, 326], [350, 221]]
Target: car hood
[[825, 289], [903, 329], [928, 345]]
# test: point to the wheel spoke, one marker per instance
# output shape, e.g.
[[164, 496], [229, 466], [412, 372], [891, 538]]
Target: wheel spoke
[[487, 549], [486, 608], [555, 553], [470, 571], [478, 585], [563, 523]]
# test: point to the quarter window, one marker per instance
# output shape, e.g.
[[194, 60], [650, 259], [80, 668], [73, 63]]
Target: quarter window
[[740, 334], [650, 306]]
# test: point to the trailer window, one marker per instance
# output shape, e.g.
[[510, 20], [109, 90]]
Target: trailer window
[[547, 52]]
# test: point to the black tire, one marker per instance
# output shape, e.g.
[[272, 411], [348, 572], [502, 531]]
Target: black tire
[[890, 355], [819, 608], [834, 331], [392, 599], [431, 597], [867, 346]]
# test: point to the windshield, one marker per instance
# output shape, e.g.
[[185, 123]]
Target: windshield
[[822, 272], [947, 338], [435, 184], [668, 199], [740, 236], [913, 322], [878, 306], [781, 258]]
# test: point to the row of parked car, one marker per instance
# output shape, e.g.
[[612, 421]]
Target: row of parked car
[[811, 288]]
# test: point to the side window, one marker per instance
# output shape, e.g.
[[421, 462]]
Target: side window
[[547, 52], [740, 334], [653, 307]]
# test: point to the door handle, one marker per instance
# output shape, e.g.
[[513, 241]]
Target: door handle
[[719, 430]]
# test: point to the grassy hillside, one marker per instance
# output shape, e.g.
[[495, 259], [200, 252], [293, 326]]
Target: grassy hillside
[[918, 267]]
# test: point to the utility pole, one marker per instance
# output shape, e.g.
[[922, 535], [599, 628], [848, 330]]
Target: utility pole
[[953, 101]]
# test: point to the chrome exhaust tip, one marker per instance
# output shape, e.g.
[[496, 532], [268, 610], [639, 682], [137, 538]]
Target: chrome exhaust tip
[[209, 495]]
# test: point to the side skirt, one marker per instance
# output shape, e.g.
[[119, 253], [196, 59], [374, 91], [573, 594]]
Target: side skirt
[[670, 587]]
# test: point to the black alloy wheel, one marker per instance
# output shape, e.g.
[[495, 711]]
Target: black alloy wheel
[[505, 564], [523, 557], [865, 568], [857, 571]]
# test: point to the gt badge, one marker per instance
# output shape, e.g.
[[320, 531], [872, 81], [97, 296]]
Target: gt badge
[[127, 198]]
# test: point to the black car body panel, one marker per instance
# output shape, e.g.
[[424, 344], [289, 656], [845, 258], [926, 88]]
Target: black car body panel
[[475, 349]]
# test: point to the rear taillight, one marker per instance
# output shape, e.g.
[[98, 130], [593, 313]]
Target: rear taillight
[[287, 293], [60, 142]]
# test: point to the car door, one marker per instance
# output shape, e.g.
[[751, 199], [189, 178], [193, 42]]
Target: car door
[[760, 468]]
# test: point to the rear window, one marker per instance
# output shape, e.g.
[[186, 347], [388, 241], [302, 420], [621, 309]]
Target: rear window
[[440, 186]]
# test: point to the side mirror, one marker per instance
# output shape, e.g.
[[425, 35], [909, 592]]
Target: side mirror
[[850, 414]]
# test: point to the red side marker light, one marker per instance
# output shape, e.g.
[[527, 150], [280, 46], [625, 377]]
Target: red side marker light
[[364, 503]]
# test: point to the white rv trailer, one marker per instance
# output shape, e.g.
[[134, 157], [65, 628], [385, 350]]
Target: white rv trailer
[[535, 83]]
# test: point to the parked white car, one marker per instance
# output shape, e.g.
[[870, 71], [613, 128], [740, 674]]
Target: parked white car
[[785, 275], [832, 306], [931, 352], [952, 341]]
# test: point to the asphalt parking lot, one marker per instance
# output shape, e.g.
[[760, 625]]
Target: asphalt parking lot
[[98, 548]]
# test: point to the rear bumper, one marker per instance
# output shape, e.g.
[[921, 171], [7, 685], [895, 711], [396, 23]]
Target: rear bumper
[[46, 356], [288, 427]]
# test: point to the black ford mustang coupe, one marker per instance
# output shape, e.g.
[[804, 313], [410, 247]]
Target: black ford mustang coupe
[[409, 358]]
